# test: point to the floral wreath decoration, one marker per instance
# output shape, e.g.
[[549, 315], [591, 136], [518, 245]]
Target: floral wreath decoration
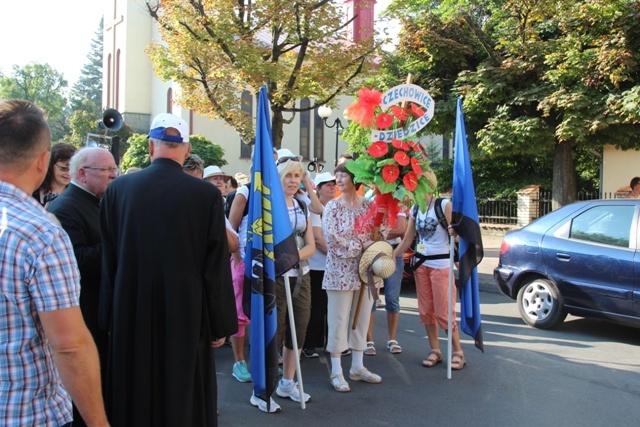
[[395, 168]]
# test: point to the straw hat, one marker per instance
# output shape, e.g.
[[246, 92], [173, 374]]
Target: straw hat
[[382, 267], [241, 178]]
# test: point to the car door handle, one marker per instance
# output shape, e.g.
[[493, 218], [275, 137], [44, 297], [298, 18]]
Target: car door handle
[[563, 257]]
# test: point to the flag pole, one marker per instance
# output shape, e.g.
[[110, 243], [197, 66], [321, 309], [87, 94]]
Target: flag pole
[[294, 339], [452, 243]]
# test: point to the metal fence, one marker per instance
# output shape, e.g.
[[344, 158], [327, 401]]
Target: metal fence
[[493, 210]]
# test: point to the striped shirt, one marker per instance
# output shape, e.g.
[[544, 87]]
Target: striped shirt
[[38, 272]]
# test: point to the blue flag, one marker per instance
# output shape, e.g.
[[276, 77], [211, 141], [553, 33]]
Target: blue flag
[[270, 252], [467, 224]]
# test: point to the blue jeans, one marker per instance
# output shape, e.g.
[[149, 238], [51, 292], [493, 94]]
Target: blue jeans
[[392, 287]]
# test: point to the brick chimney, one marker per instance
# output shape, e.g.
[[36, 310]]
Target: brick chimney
[[362, 27]]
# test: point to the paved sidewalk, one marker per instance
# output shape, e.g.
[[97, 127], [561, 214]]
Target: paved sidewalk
[[491, 241]]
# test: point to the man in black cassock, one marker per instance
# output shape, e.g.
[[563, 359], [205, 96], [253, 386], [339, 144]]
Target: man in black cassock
[[166, 295], [77, 209]]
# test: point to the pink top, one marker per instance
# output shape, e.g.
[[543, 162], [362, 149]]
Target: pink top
[[344, 244]]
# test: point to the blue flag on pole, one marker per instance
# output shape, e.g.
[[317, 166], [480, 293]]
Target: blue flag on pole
[[467, 224], [270, 252]]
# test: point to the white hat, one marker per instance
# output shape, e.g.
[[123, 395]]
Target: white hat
[[324, 177], [378, 258], [214, 171], [285, 153], [166, 120]]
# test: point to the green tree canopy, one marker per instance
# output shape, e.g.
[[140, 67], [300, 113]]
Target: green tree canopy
[[137, 153], [299, 49], [43, 86], [548, 76]]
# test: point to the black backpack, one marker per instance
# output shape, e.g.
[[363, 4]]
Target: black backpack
[[229, 201], [442, 219]]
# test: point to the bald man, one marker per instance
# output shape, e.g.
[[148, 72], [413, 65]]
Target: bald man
[[77, 209]]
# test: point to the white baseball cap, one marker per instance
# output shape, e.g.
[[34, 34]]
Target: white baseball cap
[[323, 178], [164, 121]]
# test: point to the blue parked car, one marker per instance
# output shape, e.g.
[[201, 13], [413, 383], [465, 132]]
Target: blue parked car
[[582, 259]]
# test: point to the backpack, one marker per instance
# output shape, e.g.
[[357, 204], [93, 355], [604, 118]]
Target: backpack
[[305, 211], [442, 220], [229, 201]]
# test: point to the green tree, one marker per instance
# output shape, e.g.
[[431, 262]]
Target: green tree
[[299, 49], [555, 77], [43, 86], [137, 153], [86, 93]]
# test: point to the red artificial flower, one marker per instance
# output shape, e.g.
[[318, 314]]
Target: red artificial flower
[[378, 149], [402, 158], [390, 173], [410, 181], [400, 144], [363, 109], [415, 110], [399, 112], [384, 120], [413, 145], [415, 165]]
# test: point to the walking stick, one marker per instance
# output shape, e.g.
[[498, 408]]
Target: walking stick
[[363, 286]]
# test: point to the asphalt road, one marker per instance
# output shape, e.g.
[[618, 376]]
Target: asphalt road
[[585, 373]]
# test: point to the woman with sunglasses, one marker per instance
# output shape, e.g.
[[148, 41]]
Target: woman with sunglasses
[[58, 176]]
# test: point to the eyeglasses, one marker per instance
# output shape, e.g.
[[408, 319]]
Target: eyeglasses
[[285, 159], [100, 169], [62, 168]]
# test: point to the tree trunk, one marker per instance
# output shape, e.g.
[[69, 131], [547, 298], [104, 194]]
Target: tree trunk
[[277, 131], [564, 176]]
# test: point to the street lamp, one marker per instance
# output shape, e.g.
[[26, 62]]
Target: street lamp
[[324, 112]]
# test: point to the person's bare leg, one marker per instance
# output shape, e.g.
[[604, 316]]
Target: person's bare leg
[[237, 344], [289, 362], [392, 325]]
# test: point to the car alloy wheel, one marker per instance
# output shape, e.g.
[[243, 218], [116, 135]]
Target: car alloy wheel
[[540, 303]]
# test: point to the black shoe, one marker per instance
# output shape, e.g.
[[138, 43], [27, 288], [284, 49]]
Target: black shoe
[[310, 353], [346, 352]]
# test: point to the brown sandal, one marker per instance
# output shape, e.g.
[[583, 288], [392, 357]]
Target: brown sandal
[[457, 361], [430, 361]]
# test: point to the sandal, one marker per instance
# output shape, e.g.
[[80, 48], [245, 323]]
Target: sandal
[[339, 384], [457, 361], [370, 349], [394, 347], [364, 375], [432, 361]]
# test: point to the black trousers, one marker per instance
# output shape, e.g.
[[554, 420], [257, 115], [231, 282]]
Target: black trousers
[[317, 328]]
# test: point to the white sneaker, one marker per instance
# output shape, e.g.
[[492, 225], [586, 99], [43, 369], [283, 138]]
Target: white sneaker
[[291, 391], [262, 405]]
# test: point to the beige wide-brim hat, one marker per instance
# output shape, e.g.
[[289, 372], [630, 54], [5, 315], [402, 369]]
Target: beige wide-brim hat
[[214, 171], [382, 266]]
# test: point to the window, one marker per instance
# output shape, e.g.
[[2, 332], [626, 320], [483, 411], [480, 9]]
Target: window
[[610, 225], [246, 106], [318, 136], [116, 104], [109, 80], [305, 128]]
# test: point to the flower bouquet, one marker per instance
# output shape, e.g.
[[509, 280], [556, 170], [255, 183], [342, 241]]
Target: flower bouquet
[[394, 166]]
